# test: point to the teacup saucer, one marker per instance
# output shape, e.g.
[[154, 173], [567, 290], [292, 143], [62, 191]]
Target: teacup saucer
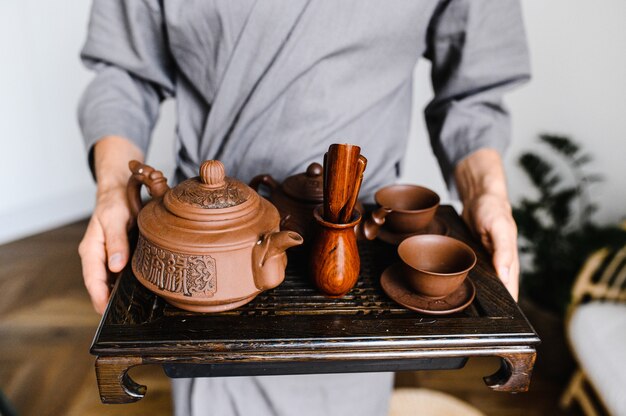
[[395, 287], [435, 227]]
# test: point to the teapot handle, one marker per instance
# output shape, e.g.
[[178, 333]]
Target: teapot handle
[[368, 228], [143, 175], [266, 180]]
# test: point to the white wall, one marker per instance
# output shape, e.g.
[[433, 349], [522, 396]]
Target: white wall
[[578, 57], [578, 51], [42, 184], [579, 88], [45, 181]]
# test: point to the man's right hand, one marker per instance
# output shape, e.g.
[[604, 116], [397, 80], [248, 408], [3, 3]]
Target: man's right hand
[[104, 248]]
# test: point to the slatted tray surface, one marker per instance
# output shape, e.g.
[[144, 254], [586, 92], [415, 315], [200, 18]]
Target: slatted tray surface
[[295, 316]]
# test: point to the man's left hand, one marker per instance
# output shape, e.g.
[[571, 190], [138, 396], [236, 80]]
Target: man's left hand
[[486, 209], [491, 219]]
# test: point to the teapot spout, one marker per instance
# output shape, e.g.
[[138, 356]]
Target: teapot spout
[[369, 227], [269, 258], [281, 241]]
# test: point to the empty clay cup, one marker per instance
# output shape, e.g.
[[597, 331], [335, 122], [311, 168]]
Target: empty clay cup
[[435, 265], [412, 207]]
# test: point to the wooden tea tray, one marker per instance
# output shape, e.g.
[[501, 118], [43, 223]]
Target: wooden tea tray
[[293, 329]]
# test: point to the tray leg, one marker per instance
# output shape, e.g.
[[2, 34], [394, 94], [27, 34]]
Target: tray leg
[[114, 383], [514, 373]]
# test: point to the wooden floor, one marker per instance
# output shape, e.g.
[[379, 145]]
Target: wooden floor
[[47, 323]]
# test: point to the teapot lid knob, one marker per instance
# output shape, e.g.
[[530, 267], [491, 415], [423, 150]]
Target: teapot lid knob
[[314, 169], [212, 173]]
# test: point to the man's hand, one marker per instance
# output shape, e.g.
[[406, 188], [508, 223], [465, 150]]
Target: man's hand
[[104, 249], [486, 209], [490, 218]]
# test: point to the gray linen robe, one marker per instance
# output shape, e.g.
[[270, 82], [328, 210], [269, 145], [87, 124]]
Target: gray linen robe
[[267, 85]]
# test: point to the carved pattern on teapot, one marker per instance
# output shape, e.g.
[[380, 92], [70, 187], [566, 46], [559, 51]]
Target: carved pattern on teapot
[[225, 197], [175, 272]]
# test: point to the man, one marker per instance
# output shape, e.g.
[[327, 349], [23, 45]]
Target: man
[[267, 86]]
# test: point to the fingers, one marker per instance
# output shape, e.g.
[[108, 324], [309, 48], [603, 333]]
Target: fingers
[[503, 238], [92, 256], [116, 244], [105, 243], [513, 286]]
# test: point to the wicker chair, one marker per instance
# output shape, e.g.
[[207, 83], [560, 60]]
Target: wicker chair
[[596, 327]]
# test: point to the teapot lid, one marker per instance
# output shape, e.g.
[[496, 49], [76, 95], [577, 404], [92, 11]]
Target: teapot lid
[[210, 193], [307, 186]]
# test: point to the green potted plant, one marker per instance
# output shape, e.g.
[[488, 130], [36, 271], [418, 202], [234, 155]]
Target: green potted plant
[[555, 227], [557, 234]]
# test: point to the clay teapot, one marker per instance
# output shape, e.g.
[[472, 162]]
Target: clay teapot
[[209, 244], [295, 198]]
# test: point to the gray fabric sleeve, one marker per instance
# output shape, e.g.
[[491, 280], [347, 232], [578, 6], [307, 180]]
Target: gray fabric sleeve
[[126, 46], [478, 50]]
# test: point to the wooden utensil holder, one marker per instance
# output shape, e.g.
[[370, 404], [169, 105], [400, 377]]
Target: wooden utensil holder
[[334, 256]]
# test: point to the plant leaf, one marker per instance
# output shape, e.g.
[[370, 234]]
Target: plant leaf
[[552, 181], [592, 178], [559, 206], [582, 160], [561, 144], [588, 212], [537, 170], [528, 224]]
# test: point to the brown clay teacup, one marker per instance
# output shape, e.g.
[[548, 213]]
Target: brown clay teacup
[[435, 265], [412, 207]]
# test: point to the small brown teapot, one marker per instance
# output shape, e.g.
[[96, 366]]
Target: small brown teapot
[[209, 244], [295, 198]]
